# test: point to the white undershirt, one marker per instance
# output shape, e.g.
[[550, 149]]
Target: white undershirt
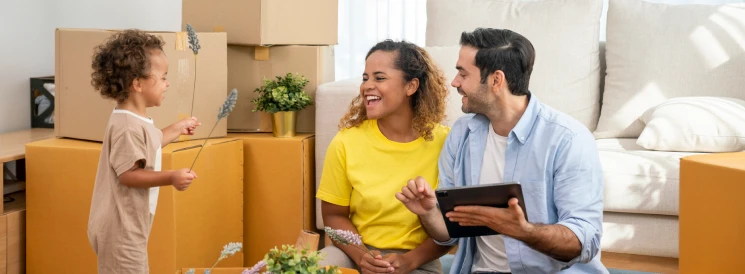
[[491, 255]]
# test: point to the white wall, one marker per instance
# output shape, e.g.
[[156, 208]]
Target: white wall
[[27, 35], [25, 52]]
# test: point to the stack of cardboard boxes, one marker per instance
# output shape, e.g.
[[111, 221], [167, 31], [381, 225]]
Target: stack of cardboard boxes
[[252, 187], [269, 38], [190, 228]]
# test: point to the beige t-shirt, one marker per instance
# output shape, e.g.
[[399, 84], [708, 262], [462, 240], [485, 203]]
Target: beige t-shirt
[[120, 216]]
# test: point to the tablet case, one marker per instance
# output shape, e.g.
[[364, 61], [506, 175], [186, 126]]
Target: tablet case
[[494, 195]]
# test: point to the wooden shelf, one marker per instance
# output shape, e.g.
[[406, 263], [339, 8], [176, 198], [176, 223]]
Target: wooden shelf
[[13, 186], [18, 204], [13, 144]]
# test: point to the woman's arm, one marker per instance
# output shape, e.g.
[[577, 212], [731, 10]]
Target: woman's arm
[[337, 217], [424, 253]]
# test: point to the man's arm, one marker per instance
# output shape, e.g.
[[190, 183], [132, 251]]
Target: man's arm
[[578, 193], [578, 196], [556, 241]]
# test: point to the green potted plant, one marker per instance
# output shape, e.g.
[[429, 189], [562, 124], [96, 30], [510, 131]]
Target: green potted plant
[[291, 260], [283, 98]]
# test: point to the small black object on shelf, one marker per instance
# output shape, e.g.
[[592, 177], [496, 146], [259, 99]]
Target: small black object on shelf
[[42, 103]]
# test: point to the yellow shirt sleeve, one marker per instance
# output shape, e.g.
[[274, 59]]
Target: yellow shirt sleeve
[[335, 187]]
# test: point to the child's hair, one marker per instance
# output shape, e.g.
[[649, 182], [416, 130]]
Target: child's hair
[[428, 102], [124, 57]]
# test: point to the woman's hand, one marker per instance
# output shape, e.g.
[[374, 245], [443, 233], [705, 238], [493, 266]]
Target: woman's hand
[[369, 264], [400, 263]]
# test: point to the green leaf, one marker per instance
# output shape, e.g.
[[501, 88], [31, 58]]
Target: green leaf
[[285, 93]]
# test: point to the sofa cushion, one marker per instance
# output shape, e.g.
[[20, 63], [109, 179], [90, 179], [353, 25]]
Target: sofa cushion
[[332, 102], [564, 33], [637, 180], [701, 124], [655, 52]]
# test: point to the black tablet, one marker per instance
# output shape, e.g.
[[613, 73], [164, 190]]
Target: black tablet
[[494, 195]]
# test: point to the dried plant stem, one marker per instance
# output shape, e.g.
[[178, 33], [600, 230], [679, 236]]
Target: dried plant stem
[[213, 266], [194, 88], [205, 143]]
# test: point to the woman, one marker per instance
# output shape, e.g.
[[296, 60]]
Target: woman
[[391, 134]]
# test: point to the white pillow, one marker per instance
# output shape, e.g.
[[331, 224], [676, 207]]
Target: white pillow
[[695, 124], [564, 33], [655, 52]]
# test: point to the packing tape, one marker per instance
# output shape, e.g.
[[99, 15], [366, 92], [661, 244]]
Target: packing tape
[[181, 40], [218, 29], [261, 53]]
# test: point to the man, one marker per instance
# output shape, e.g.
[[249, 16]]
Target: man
[[510, 136]]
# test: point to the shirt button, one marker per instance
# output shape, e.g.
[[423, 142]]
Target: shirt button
[[522, 138]]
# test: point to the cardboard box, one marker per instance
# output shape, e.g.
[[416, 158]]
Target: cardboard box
[[266, 22], [278, 191], [190, 227], [712, 213], [247, 74], [13, 236], [81, 113]]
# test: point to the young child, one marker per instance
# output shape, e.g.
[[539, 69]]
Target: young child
[[131, 68]]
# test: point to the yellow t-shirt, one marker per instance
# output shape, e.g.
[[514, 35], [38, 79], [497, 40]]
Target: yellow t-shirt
[[364, 170]]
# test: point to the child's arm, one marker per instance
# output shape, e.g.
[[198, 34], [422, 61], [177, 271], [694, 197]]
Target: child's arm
[[141, 178], [183, 127]]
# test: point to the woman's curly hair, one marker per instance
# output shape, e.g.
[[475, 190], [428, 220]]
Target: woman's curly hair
[[428, 102], [124, 57]]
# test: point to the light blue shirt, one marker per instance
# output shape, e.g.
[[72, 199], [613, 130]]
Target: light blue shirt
[[555, 159]]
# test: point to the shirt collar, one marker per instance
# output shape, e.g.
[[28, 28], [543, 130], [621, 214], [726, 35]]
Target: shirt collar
[[525, 124], [522, 128]]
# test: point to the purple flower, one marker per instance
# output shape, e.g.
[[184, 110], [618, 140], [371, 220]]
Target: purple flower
[[344, 237], [256, 268]]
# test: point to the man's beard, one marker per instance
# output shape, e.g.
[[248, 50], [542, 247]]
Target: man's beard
[[474, 106]]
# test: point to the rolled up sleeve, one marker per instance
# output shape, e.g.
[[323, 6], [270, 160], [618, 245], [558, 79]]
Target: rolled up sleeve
[[578, 193], [446, 175]]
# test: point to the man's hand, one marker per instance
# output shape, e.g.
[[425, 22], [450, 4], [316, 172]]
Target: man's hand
[[182, 178], [418, 196], [188, 125], [399, 262], [508, 221], [369, 264]]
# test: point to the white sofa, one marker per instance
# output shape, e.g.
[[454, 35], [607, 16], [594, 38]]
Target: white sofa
[[641, 185]]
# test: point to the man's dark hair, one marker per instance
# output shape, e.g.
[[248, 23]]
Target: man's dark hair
[[505, 50]]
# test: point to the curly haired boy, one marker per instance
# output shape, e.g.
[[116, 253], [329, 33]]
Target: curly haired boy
[[131, 68]]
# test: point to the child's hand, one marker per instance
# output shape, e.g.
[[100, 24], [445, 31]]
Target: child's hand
[[181, 179], [188, 125]]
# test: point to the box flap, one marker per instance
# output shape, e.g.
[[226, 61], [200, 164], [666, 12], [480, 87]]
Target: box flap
[[735, 160], [183, 146]]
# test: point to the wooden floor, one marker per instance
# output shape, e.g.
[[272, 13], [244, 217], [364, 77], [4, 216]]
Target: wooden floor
[[639, 263]]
